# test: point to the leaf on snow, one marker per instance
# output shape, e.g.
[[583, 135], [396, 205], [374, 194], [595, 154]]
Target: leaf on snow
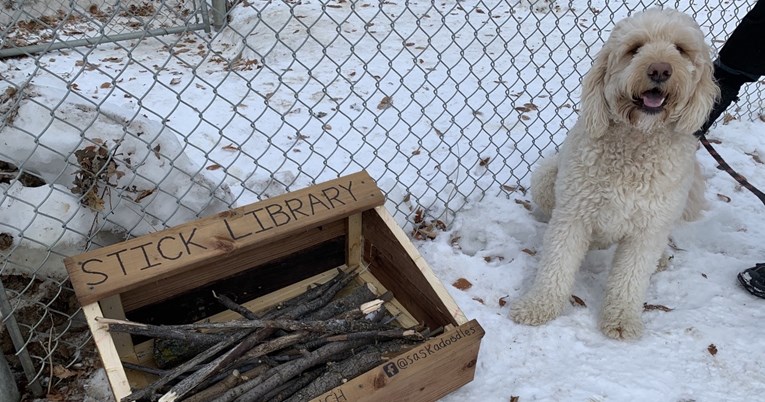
[[650, 307], [462, 284], [143, 194], [577, 301]]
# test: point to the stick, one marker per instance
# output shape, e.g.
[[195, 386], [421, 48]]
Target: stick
[[226, 384], [352, 301], [349, 368], [149, 391], [189, 383], [294, 385], [306, 297], [164, 332], [333, 326], [254, 390], [233, 306], [408, 334]]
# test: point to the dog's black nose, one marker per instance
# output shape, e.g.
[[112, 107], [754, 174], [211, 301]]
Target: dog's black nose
[[659, 72]]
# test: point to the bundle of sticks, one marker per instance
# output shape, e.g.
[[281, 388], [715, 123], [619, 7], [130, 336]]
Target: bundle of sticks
[[295, 351]]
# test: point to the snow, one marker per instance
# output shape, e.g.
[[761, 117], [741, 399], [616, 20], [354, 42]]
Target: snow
[[268, 114]]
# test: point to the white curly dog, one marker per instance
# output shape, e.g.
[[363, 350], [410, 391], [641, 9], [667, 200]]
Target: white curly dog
[[627, 171]]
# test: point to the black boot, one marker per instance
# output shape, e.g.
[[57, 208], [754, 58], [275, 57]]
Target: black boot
[[730, 85], [753, 280]]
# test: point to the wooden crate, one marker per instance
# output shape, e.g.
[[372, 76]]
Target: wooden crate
[[270, 251]]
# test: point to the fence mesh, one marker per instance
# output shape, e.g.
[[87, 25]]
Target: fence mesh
[[443, 102]]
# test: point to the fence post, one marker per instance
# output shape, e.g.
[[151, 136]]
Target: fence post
[[219, 14], [9, 321], [8, 390]]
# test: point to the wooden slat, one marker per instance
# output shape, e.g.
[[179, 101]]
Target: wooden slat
[[395, 261], [111, 307], [353, 241], [424, 373], [108, 351], [111, 270]]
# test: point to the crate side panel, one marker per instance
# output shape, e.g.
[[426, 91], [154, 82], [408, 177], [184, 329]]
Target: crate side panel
[[393, 265], [424, 373]]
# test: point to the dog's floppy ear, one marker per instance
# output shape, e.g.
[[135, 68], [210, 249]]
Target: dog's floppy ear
[[594, 105], [702, 99]]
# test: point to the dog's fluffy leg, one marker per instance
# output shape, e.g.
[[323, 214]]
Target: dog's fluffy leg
[[543, 187], [565, 244], [634, 262], [696, 202]]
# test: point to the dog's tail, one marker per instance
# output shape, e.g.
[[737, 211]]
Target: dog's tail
[[543, 186]]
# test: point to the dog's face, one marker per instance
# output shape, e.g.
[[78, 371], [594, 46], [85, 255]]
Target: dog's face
[[654, 71]]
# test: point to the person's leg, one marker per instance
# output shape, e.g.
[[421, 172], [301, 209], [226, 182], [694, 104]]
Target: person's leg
[[741, 60]]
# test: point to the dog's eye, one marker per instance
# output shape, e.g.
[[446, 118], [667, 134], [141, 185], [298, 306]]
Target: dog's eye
[[634, 49], [680, 49]]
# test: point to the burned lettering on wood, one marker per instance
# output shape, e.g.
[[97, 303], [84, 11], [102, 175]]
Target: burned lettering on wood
[[110, 270]]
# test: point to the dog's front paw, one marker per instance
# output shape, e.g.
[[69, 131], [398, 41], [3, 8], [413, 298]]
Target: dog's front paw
[[535, 310], [619, 324]]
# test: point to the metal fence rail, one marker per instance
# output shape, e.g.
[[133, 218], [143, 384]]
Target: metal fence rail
[[36, 26], [109, 131]]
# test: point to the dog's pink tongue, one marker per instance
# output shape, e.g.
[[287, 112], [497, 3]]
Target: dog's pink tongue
[[652, 99]]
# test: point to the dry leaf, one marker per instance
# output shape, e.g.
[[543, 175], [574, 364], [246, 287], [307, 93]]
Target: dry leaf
[[671, 243], [723, 197], [418, 216], [712, 349], [416, 151], [527, 107], [106, 85], [728, 118], [327, 127], [175, 81], [214, 166], [704, 275], [529, 251], [143, 194], [485, 161], [577, 301], [503, 301], [60, 371], [526, 204], [462, 284], [479, 300], [156, 151], [490, 258], [649, 307], [515, 399], [755, 156], [385, 103], [6, 241], [231, 147]]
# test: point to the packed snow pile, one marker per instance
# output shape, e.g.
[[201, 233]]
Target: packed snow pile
[[121, 173]]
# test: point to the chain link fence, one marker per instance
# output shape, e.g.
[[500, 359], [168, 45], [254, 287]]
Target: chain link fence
[[119, 118]]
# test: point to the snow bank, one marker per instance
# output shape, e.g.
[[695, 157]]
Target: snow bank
[[122, 173]]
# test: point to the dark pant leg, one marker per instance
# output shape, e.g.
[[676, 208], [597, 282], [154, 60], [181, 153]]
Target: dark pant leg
[[745, 48]]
